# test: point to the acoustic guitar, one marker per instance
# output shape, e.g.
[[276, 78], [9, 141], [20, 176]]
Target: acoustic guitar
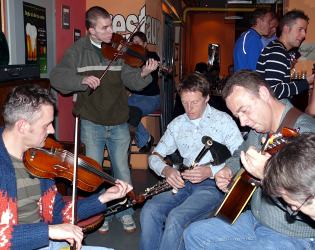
[[244, 184]]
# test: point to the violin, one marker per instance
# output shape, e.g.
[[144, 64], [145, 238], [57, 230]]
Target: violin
[[134, 55], [53, 161]]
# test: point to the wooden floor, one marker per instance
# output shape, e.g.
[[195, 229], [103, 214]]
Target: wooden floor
[[117, 238]]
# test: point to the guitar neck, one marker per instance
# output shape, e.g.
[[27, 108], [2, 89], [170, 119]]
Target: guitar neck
[[244, 185]]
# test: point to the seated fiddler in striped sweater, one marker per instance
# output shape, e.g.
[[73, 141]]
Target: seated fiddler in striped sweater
[[33, 213]]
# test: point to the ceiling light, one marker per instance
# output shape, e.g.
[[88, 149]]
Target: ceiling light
[[239, 2], [233, 17]]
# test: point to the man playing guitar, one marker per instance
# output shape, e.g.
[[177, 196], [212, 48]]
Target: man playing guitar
[[265, 226]]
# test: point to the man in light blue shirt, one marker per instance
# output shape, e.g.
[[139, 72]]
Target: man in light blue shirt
[[164, 217]]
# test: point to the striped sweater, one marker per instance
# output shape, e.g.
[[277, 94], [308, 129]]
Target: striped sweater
[[52, 209], [274, 64]]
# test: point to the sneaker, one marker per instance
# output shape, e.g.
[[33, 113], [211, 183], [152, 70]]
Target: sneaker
[[128, 223], [104, 228]]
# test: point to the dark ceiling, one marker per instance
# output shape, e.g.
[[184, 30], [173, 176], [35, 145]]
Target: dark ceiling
[[238, 7], [228, 3]]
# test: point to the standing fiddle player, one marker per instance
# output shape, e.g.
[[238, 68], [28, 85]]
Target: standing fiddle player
[[104, 112], [33, 214]]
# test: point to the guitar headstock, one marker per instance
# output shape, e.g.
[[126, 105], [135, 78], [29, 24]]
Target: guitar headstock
[[279, 140]]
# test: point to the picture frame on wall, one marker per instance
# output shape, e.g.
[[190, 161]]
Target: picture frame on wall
[[65, 17], [35, 35], [76, 34]]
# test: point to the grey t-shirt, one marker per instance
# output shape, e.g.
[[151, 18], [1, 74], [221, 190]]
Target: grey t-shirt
[[28, 194]]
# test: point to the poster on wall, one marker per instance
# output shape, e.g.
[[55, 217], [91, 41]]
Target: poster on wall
[[76, 34], [35, 34]]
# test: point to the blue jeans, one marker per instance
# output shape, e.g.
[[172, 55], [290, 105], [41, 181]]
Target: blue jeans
[[117, 140], [246, 233], [164, 217], [147, 104], [57, 245]]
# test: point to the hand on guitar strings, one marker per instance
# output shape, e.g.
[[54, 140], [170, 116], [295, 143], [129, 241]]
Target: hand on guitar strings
[[254, 162], [198, 174], [173, 177], [223, 178]]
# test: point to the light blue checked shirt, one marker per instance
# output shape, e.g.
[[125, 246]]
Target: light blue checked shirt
[[185, 135]]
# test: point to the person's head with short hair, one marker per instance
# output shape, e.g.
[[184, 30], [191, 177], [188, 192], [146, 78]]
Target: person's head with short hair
[[98, 23], [247, 79], [260, 20], [290, 174], [292, 28], [194, 92], [250, 99], [92, 14], [29, 111], [139, 38]]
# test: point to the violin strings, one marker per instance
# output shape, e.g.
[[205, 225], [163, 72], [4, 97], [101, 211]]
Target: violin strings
[[86, 166]]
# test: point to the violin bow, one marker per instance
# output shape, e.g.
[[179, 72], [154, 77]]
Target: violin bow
[[311, 91], [74, 181], [121, 48]]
